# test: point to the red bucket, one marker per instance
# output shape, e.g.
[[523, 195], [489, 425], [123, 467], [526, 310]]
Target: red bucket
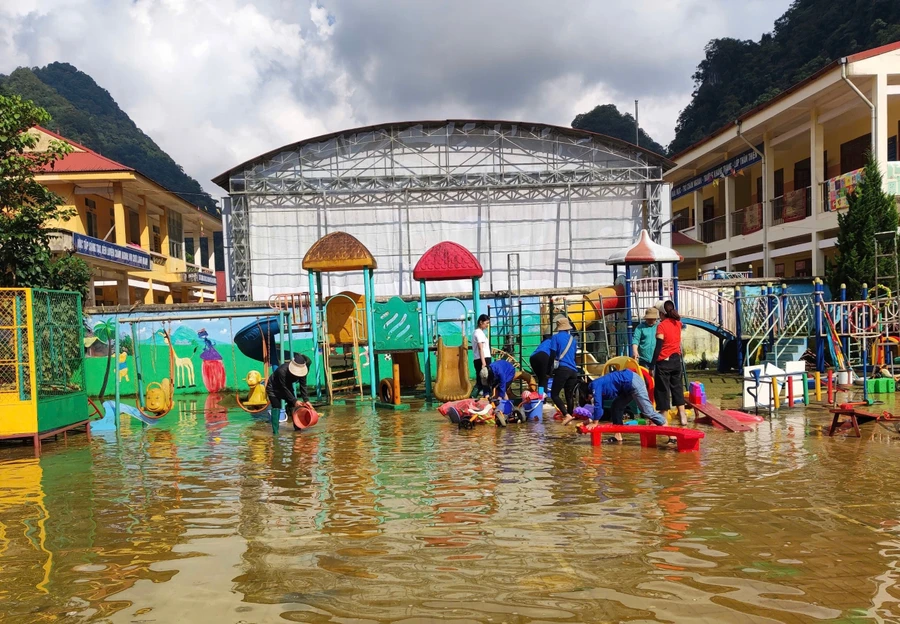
[[304, 417]]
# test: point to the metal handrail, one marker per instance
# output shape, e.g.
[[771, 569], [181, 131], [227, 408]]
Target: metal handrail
[[762, 332]]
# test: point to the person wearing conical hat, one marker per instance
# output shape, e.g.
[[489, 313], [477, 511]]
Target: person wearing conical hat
[[280, 387]]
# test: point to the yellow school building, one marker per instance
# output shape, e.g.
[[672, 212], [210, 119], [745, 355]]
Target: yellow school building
[[762, 194], [130, 230]]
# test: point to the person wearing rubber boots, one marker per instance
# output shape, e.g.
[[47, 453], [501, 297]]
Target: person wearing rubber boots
[[280, 387]]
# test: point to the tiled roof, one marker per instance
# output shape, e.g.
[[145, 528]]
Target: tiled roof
[[82, 160]]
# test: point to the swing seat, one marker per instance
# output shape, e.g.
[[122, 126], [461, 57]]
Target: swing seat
[[158, 397]]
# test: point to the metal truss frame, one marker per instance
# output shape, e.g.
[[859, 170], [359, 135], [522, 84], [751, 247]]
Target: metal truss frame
[[438, 163]]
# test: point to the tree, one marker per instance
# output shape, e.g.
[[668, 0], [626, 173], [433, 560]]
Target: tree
[[870, 210], [106, 331], [26, 205], [607, 119]]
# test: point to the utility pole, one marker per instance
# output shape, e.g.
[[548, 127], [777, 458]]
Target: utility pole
[[637, 128]]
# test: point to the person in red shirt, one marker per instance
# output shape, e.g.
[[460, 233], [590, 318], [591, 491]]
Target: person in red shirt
[[667, 365]]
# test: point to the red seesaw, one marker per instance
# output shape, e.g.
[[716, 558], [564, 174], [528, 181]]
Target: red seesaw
[[855, 417], [688, 439]]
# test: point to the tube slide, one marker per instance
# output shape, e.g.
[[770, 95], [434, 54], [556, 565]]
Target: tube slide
[[582, 314], [249, 340]]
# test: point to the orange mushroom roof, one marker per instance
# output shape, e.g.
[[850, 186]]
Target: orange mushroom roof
[[338, 251], [644, 251], [447, 261]]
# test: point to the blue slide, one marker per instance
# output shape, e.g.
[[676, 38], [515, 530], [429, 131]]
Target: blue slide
[[250, 340]]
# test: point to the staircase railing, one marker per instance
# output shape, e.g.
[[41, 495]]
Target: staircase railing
[[763, 330], [796, 320]]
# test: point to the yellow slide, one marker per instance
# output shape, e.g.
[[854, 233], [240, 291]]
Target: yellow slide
[[453, 383]]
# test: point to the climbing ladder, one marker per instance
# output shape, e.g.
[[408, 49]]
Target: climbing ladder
[[343, 371]]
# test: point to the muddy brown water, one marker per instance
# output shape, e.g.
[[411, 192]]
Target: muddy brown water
[[400, 517]]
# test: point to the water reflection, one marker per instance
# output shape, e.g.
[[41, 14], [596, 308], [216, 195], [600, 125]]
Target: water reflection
[[386, 516]]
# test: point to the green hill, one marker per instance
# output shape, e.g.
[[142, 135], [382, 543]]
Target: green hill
[[86, 113], [607, 119], [737, 75]]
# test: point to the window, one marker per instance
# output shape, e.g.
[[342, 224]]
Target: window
[[853, 153], [779, 270], [91, 224], [779, 183], [134, 229], [759, 190], [176, 235], [156, 240], [802, 268]]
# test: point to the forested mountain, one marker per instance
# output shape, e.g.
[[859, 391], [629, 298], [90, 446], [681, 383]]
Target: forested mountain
[[86, 113], [737, 75], [607, 119]]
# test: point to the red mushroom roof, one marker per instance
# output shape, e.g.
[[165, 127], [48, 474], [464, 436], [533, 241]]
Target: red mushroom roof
[[644, 251], [447, 261]]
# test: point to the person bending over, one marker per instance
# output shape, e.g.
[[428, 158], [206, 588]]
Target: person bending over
[[542, 363], [621, 387], [563, 346], [500, 376], [280, 386]]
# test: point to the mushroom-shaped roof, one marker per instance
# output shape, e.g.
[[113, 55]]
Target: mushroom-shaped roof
[[644, 251], [338, 251], [447, 261]]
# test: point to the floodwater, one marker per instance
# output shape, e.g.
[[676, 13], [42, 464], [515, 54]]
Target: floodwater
[[400, 517]]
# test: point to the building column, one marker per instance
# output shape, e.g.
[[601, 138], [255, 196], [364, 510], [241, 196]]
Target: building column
[[816, 166], [818, 256], [729, 208], [91, 299], [148, 296], [697, 197], [768, 190], [211, 253], [119, 224], [122, 291], [198, 257], [880, 99], [169, 299], [164, 234], [143, 226]]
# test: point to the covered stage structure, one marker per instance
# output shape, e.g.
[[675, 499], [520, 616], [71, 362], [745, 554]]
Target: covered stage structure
[[540, 206]]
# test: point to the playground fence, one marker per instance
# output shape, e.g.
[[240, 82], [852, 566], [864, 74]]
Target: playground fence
[[15, 380], [59, 342]]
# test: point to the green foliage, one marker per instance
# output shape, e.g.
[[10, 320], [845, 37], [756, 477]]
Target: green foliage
[[126, 344], [86, 113], [26, 205], [737, 75], [870, 210], [606, 119]]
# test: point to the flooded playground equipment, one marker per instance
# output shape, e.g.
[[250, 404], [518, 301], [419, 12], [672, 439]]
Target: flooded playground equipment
[[42, 380]]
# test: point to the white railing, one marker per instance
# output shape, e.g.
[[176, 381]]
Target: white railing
[[703, 304]]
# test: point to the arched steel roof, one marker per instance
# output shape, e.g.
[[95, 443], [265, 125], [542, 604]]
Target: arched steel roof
[[624, 148]]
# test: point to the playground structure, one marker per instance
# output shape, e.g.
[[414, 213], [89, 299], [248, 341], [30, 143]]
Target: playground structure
[[42, 380]]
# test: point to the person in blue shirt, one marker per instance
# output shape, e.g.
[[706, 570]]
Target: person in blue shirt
[[621, 387], [542, 364], [563, 347], [500, 375]]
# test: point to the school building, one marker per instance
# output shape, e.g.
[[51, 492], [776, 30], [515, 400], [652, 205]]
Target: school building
[[763, 194], [142, 241]]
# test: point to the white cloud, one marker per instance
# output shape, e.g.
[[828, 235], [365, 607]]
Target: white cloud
[[216, 82]]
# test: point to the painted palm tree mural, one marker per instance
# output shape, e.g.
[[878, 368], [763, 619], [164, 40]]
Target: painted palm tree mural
[[105, 331]]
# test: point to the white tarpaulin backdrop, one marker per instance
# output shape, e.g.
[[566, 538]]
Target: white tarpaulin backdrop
[[560, 244]]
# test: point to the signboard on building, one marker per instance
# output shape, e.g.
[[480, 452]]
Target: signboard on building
[[104, 250], [198, 277], [741, 161]]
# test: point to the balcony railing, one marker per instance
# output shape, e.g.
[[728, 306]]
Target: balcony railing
[[157, 258], [681, 222], [793, 206], [713, 230], [747, 221]]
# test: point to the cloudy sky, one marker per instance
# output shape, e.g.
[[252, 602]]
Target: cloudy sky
[[216, 82]]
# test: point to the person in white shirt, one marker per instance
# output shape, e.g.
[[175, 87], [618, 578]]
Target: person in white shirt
[[481, 352]]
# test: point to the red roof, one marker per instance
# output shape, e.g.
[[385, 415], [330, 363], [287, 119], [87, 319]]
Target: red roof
[[447, 261], [683, 240], [82, 161]]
